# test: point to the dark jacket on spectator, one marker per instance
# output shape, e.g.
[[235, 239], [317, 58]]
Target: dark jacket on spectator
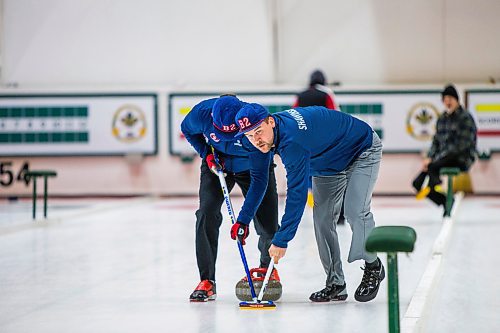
[[456, 135]]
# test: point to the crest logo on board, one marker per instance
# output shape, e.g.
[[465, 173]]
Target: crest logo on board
[[421, 121], [129, 123]]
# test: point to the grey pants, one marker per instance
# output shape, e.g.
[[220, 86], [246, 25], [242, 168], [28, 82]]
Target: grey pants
[[357, 181]]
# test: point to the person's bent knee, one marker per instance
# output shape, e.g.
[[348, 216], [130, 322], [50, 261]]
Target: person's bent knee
[[354, 215], [433, 168], [266, 236], [270, 226], [208, 217], [416, 184], [210, 207]]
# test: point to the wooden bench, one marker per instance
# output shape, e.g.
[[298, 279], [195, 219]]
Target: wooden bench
[[34, 174], [392, 239]]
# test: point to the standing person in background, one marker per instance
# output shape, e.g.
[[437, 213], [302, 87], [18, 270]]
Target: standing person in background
[[318, 94], [210, 124], [343, 155], [453, 145]]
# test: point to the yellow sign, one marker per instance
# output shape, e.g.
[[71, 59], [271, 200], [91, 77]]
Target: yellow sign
[[488, 108]]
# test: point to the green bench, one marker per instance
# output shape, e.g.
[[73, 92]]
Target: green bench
[[34, 174], [392, 239], [450, 172]]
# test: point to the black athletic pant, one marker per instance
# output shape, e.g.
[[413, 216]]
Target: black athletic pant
[[209, 217], [434, 179]]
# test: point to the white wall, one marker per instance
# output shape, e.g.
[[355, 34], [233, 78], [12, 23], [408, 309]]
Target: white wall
[[391, 41], [58, 42], [193, 42]]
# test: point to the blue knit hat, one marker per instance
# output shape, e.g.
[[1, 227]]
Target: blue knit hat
[[250, 117], [224, 111]]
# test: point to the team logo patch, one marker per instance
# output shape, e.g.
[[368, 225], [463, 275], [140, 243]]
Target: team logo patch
[[421, 121], [129, 123], [214, 137]]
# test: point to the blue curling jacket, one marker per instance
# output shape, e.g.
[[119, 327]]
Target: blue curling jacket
[[313, 141], [198, 129]]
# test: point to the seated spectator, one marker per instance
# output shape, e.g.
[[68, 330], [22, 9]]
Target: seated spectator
[[453, 145]]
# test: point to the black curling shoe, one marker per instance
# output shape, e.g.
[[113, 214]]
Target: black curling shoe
[[368, 288], [333, 293]]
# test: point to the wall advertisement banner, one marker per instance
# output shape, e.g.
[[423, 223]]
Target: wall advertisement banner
[[72, 125], [484, 105], [405, 120]]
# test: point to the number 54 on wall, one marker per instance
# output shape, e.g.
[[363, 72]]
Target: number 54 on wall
[[7, 175]]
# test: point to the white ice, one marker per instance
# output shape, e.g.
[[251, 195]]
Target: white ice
[[129, 266]]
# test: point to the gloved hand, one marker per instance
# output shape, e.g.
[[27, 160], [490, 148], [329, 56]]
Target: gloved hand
[[212, 163], [241, 231]]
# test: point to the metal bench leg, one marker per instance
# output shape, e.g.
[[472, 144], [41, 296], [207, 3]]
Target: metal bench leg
[[393, 290], [34, 198], [45, 197]]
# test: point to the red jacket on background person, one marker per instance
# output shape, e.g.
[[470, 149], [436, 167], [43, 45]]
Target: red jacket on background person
[[317, 94]]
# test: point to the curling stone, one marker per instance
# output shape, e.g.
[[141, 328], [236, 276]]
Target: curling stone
[[273, 291]]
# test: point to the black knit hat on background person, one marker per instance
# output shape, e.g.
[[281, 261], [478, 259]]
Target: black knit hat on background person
[[317, 77], [449, 91]]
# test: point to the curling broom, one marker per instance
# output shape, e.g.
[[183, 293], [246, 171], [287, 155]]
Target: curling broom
[[254, 304]]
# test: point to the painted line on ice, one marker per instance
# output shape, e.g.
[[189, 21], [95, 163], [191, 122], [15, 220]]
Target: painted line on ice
[[415, 316], [27, 223]]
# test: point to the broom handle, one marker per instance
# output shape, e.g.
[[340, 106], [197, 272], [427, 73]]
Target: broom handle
[[266, 280], [229, 206]]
